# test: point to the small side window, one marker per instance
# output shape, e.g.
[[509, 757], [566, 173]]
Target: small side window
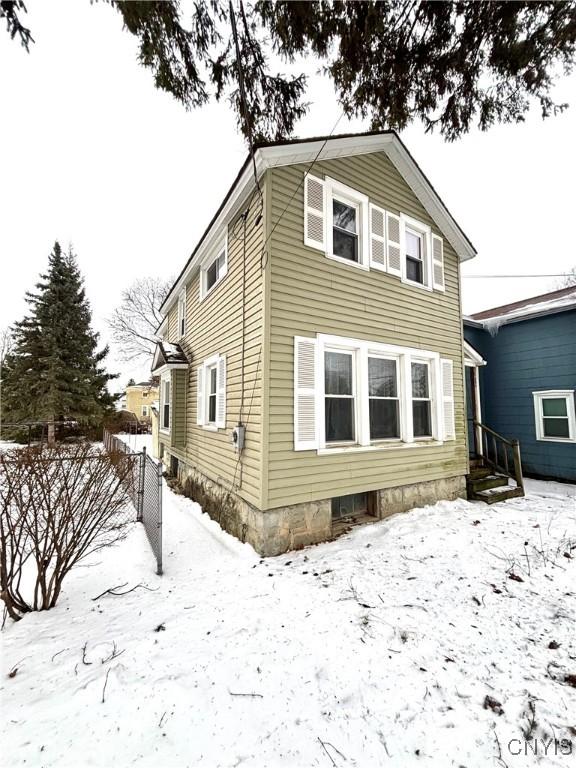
[[554, 415]]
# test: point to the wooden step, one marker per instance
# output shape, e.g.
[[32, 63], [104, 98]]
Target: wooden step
[[479, 473], [483, 482], [494, 495]]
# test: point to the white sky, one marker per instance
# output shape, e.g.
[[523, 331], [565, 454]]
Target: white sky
[[94, 155]]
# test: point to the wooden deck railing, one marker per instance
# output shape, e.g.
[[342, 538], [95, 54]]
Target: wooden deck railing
[[498, 452]]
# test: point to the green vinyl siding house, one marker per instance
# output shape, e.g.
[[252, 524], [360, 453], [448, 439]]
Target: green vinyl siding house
[[311, 351]]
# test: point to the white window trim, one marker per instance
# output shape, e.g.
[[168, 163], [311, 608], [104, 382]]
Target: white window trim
[[432, 391], [144, 411], [568, 396], [354, 397], [407, 222], [336, 190], [206, 365], [182, 313], [363, 350], [166, 379], [207, 263], [399, 389]]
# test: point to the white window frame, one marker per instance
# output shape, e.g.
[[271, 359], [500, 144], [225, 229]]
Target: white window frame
[[399, 390], [554, 394], [353, 396], [205, 367], [216, 255], [208, 368], [145, 411], [429, 399], [182, 313], [165, 386], [425, 233], [405, 356], [335, 190]]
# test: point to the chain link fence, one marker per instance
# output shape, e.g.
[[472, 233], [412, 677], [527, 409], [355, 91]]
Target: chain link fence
[[144, 485]]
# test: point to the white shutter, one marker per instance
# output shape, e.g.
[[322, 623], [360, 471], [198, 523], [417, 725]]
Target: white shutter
[[305, 430], [221, 393], [377, 237], [314, 213], [200, 408], [438, 263], [394, 248], [449, 428]]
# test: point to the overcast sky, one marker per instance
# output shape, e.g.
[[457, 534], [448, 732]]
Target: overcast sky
[[94, 155]]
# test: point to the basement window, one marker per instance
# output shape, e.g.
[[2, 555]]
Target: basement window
[[354, 505]]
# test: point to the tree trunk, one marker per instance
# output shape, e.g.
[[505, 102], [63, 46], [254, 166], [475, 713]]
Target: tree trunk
[[51, 433]]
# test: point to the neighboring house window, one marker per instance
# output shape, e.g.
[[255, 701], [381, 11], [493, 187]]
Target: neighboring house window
[[554, 415], [214, 270], [165, 405], [353, 392], [211, 393], [144, 394], [421, 400], [144, 410], [182, 314], [384, 402], [339, 407]]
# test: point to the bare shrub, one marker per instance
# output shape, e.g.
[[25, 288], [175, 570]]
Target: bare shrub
[[58, 505]]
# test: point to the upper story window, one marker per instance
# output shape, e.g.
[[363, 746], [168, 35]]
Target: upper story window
[[554, 415], [345, 230], [182, 314], [346, 226], [214, 270]]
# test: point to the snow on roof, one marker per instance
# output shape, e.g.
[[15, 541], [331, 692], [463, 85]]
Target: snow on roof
[[168, 354], [546, 303]]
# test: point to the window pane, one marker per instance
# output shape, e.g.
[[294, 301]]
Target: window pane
[[419, 380], [556, 428], [413, 245], [211, 274], [382, 377], [213, 381], [414, 271], [212, 408], [337, 373], [347, 506], [422, 420], [166, 419], [344, 216], [384, 421], [339, 414], [345, 245], [554, 406]]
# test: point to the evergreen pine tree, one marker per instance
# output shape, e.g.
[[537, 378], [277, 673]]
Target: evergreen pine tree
[[54, 370]]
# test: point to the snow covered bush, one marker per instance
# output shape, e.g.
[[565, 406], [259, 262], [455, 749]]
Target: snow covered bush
[[58, 505]]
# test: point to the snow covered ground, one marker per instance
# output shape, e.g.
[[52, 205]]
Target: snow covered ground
[[378, 649]]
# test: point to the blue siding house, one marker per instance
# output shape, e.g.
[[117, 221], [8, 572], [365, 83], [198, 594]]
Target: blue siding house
[[524, 388]]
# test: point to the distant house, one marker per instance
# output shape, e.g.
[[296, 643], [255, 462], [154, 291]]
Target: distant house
[[526, 387], [139, 398], [311, 354]]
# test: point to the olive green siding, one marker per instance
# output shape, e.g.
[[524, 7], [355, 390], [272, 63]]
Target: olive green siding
[[311, 294], [214, 326]]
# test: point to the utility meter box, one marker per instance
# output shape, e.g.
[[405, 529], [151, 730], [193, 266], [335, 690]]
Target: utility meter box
[[238, 434]]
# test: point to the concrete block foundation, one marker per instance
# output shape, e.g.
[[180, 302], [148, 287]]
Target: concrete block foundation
[[274, 531]]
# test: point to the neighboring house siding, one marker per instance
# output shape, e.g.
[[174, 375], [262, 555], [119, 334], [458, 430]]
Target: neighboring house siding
[[214, 326], [524, 357], [311, 294]]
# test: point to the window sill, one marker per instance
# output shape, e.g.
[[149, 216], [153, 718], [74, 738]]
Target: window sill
[[421, 286], [556, 440], [164, 431], [347, 262], [210, 427], [392, 445]]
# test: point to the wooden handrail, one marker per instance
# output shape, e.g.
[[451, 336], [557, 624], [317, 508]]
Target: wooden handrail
[[498, 441]]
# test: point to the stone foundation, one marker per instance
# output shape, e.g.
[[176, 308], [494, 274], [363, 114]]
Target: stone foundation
[[274, 531]]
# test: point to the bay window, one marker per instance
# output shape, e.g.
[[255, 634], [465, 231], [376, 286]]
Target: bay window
[[421, 401], [339, 406], [384, 401]]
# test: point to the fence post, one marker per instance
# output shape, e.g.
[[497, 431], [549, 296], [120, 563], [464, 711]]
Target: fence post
[[159, 552], [140, 501]]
